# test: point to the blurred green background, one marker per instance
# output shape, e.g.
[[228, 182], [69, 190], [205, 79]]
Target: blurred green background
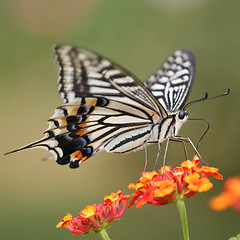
[[138, 35]]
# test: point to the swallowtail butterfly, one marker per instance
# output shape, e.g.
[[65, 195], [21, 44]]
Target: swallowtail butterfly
[[107, 108]]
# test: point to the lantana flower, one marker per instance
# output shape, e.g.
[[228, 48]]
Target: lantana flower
[[169, 185], [96, 217], [230, 197]]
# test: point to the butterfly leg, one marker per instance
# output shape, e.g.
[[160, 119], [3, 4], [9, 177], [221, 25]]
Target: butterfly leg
[[185, 150], [146, 157], [187, 139], [184, 146], [165, 154], [159, 150]]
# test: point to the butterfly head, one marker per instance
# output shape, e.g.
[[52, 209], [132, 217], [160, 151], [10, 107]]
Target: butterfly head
[[180, 118], [183, 114]]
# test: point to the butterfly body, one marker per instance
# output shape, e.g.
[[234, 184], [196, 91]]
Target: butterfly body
[[170, 126], [107, 108]]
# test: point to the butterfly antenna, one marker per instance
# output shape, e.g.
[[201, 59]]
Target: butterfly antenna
[[195, 101], [205, 98]]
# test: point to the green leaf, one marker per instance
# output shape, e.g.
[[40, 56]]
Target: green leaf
[[235, 238]]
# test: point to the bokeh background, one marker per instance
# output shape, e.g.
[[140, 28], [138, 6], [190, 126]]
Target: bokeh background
[[139, 35]]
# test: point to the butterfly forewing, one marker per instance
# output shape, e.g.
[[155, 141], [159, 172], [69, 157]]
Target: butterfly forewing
[[83, 73], [171, 84]]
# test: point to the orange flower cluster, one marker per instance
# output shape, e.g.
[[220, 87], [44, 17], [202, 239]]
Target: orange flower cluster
[[170, 185], [154, 188], [96, 217], [230, 197]]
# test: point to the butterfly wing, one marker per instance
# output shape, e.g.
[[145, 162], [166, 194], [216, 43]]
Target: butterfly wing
[[86, 125], [84, 73], [172, 83], [105, 108]]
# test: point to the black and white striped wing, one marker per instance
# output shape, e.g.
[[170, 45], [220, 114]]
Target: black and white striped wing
[[84, 73], [172, 83], [86, 125], [105, 108]]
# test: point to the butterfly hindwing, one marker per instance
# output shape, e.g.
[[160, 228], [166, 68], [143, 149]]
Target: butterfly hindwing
[[86, 125], [171, 84]]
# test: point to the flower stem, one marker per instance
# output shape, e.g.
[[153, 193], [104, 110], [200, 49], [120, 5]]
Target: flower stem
[[104, 235], [183, 215]]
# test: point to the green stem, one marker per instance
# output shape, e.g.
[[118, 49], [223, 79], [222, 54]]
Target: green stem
[[104, 235], [183, 215]]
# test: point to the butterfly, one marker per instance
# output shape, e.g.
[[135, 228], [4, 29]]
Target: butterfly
[[108, 108]]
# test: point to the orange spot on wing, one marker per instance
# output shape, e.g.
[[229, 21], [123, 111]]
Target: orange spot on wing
[[91, 101], [82, 125], [72, 111], [82, 130], [76, 155], [84, 158], [62, 122]]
